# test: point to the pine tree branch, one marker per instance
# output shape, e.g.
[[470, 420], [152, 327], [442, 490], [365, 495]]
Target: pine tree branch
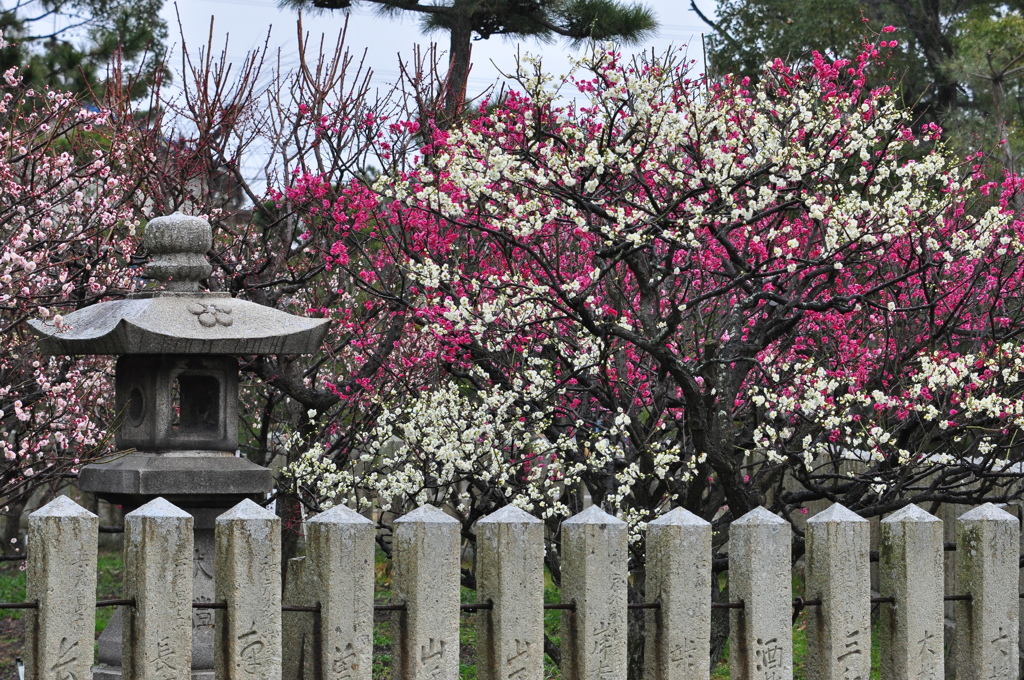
[[714, 25]]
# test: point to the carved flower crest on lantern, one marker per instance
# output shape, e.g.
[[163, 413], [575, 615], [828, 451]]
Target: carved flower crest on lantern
[[211, 314]]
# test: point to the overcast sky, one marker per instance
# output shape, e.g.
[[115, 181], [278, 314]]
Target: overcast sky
[[246, 22]]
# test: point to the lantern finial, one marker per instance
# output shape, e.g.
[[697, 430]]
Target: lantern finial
[[178, 244]]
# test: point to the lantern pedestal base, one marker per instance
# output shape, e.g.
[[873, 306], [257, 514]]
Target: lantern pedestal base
[[205, 486]]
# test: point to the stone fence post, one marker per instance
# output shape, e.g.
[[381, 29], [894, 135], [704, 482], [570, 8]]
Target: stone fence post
[[987, 569], [911, 572], [510, 576], [340, 547], [759, 577], [839, 575], [426, 578], [157, 631], [678, 633], [248, 578], [594, 579], [62, 541]]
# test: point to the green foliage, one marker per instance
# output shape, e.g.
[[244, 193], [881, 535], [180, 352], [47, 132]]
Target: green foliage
[[958, 63], [989, 62], [109, 580], [12, 587], [71, 44], [575, 20]]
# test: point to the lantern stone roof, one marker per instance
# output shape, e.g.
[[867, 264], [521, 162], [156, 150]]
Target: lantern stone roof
[[181, 319]]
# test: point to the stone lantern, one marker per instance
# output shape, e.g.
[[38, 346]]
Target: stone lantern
[[176, 392]]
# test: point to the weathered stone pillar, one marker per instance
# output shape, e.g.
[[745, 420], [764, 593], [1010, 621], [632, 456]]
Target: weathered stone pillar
[[838, 574], [426, 578], [594, 578], [62, 539], [987, 565], [911, 572], [248, 579], [340, 550], [678, 633], [158, 548], [761, 633], [510, 575]]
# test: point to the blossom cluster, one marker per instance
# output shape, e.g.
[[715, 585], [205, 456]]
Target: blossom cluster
[[68, 216]]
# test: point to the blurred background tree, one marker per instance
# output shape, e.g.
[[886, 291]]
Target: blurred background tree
[[68, 44], [958, 64]]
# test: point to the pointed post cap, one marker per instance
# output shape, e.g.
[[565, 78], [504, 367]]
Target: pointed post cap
[[835, 514], [339, 514], [987, 512], [679, 517], [910, 513], [759, 515], [246, 510], [62, 506], [427, 514], [158, 507], [510, 514], [593, 515]]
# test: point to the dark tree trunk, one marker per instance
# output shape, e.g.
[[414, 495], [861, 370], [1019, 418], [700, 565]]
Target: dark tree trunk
[[460, 51], [289, 509], [925, 22]]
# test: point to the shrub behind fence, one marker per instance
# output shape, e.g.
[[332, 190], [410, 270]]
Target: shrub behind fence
[[337, 579]]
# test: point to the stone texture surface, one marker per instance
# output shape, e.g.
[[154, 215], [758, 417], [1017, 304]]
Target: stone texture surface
[[425, 577], [157, 643], [510, 575], [137, 477], [178, 244], [838, 574], [62, 578], [178, 323], [340, 550], [761, 634], [248, 577], [594, 578], [678, 634], [911, 571], [171, 403], [987, 566]]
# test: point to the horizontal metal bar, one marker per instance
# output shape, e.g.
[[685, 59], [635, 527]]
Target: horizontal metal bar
[[300, 608], [389, 607], [568, 606], [477, 606]]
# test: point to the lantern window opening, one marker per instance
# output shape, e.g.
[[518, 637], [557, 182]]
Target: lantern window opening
[[195, 403]]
